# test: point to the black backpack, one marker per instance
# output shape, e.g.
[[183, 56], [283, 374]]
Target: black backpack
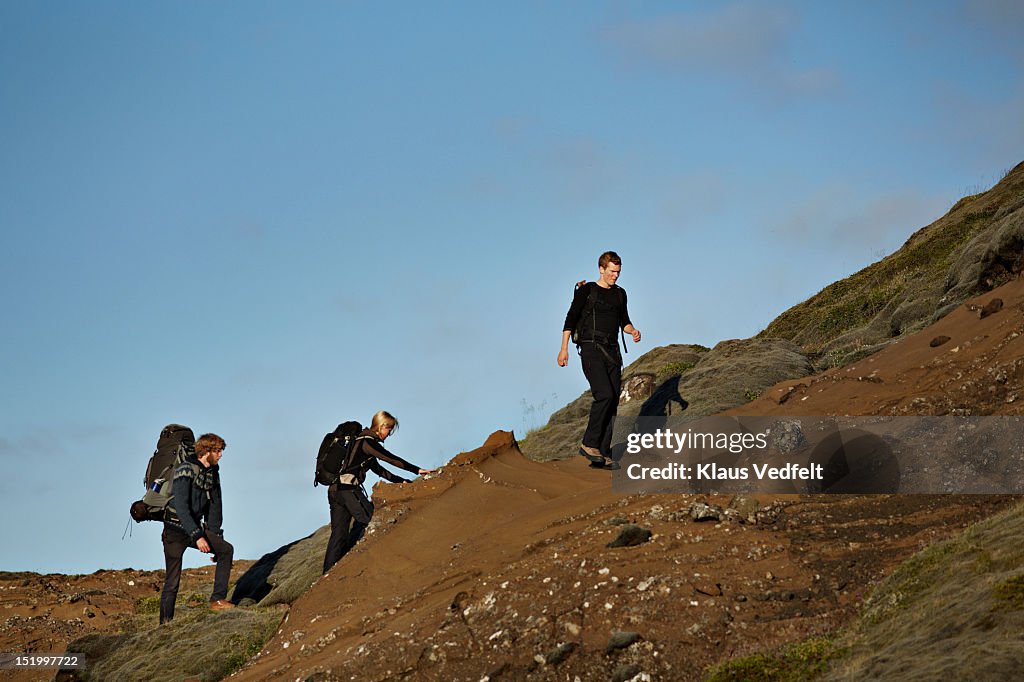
[[176, 442], [335, 453], [590, 310]]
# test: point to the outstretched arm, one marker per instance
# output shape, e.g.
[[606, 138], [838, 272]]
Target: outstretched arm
[[381, 471], [377, 450]]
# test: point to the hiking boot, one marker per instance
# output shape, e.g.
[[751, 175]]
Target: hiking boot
[[593, 454], [611, 464], [221, 605]]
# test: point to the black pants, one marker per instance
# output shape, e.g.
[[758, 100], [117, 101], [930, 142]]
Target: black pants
[[602, 365], [175, 544], [351, 512]]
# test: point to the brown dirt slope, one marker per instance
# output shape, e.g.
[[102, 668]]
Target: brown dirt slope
[[499, 568]]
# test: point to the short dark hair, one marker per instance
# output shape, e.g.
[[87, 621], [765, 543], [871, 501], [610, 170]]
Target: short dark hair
[[609, 257], [207, 443]]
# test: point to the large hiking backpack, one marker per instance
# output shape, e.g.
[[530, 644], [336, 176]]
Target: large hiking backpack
[[335, 453], [176, 442]]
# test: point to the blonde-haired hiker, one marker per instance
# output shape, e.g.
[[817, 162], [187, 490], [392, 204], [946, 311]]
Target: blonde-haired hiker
[[351, 507]]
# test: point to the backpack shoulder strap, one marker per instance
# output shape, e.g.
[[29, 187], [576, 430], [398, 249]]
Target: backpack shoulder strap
[[588, 309], [350, 456], [622, 302]]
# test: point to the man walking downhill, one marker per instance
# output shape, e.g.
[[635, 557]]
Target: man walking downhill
[[597, 313]]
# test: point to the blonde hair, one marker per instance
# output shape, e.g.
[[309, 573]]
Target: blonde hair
[[383, 418]]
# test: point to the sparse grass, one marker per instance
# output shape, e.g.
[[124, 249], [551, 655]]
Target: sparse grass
[[751, 395], [147, 605], [792, 663], [674, 369], [197, 644], [853, 302], [530, 414], [1008, 595], [912, 577], [531, 432], [242, 647], [196, 599], [952, 611]]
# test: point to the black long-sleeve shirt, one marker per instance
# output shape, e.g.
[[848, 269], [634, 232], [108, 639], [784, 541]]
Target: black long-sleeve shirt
[[368, 451], [609, 313]]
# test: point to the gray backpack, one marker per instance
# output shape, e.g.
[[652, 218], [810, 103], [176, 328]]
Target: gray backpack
[[176, 442]]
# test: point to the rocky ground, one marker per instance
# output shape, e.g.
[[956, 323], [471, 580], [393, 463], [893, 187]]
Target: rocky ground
[[43, 613]]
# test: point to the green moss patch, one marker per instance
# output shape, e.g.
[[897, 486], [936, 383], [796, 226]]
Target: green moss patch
[[1008, 595], [791, 663]]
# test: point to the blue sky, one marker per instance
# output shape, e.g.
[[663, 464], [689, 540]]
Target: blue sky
[[261, 219]]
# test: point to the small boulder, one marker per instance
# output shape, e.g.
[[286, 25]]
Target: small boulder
[[702, 511], [625, 673], [559, 654], [745, 507], [631, 535], [993, 306], [637, 387], [621, 640], [787, 436]]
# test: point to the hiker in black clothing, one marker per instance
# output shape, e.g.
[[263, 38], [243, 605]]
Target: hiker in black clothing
[[194, 519], [598, 312], [351, 508]]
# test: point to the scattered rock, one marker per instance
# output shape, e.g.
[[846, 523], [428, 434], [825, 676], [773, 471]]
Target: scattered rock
[[625, 673], [702, 511], [993, 306], [459, 601], [616, 521], [708, 589], [621, 640], [745, 507], [637, 387], [789, 392], [556, 656], [631, 535], [786, 435], [498, 672]]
